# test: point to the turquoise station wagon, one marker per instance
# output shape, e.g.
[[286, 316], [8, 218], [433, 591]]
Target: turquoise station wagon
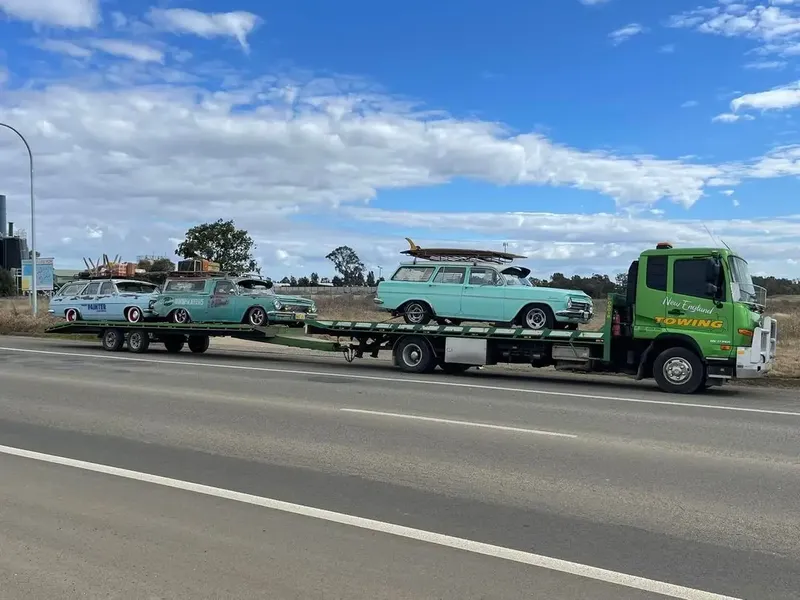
[[104, 300], [455, 291], [220, 299]]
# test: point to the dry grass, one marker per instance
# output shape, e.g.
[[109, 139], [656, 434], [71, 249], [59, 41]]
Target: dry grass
[[15, 318]]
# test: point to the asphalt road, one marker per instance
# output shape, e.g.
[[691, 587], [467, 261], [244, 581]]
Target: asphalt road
[[614, 477]]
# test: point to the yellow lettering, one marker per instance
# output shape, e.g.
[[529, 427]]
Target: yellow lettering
[[670, 321], [704, 323], [717, 324], [687, 322]]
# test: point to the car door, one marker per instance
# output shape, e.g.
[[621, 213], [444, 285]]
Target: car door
[[445, 292], [108, 295], [482, 296], [690, 306], [89, 306], [222, 302]]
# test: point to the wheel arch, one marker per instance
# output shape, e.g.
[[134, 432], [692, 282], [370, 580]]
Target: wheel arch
[[401, 307], [186, 308], [668, 340], [250, 307], [532, 304]]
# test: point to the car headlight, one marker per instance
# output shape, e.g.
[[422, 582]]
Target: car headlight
[[313, 308], [278, 305]]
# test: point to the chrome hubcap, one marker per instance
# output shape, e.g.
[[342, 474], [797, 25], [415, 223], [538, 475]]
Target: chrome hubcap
[[677, 370], [535, 318], [412, 355], [257, 317], [415, 313]]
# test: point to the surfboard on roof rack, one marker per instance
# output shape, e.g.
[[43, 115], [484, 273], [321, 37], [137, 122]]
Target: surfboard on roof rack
[[459, 254]]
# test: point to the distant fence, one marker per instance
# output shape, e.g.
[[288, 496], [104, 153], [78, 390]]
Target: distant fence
[[328, 292]]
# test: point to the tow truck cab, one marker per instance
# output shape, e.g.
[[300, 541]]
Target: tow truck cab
[[691, 314]]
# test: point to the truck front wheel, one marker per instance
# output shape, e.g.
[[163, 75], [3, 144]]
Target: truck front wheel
[[678, 370]]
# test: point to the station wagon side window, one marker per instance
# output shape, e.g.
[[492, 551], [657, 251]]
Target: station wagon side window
[[483, 276], [418, 273], [107, 288], [91, 289], [224, 288], [454, 275], [72, 289]]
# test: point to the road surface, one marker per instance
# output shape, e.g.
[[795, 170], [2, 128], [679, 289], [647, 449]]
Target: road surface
[[235, 475]]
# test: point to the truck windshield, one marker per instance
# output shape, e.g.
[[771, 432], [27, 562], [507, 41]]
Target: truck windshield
[[742, 287]]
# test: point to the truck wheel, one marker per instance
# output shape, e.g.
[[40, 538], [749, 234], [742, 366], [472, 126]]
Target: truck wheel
[[537, 317], [173, 344], [138, 342], [679, 371], [199, 343], [112, 340], [417, 313], [414, 355]]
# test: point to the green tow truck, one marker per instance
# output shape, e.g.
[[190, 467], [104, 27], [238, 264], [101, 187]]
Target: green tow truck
[[691, 318]]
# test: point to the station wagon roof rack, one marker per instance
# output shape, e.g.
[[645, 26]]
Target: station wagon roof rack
[[201, 274], [459, 254]]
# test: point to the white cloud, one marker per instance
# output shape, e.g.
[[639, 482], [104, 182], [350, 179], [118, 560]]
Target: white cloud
[[667, 49], [625, 33], [237, 25], [4, 75], [764, 65], [690, 104], [779, 98], [727, 192], [125, 49], [69, 14], [731, 118], [64, 47], [593, 2]]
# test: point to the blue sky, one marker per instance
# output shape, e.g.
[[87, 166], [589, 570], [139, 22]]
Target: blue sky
[[578, 131]]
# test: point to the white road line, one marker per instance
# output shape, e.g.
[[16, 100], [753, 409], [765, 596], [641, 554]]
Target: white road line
[[406, 380], [455, 422], [518, 556]]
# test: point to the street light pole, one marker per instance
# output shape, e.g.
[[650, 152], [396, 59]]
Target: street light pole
[[34, 284]]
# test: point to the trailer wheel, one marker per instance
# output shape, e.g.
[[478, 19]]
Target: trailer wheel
[[173, 344], [112, 340], [138, 342], [417, 313], [414, 355], [678, 370], [199, 343]]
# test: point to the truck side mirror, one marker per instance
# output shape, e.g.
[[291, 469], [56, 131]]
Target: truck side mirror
[[711, 290]]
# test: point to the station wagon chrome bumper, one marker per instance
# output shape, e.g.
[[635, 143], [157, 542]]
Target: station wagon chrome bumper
[[277, 316], [575, 313]]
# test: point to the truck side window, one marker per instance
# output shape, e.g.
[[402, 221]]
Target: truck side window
[[657, 273], [689, 277]]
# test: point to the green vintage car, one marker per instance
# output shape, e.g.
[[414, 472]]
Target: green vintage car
[[228, 299]]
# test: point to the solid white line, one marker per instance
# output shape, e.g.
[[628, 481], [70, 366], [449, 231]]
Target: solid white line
[[455, 422], [536, 560], [405, 380]]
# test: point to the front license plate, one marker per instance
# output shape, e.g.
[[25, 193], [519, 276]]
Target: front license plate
[[300, 316]]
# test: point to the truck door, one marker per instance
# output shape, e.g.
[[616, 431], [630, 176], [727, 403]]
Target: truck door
[[691, 307], [650, 290]]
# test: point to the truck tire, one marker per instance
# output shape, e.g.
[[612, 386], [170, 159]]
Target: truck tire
[[678, 370], [199, 343], [112, 340], [414, 354], [138, 342]]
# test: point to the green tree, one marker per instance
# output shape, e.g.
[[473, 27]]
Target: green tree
[[314, 279], [371, 279], [222, 243], [303, 282], [293, 281], [346, 262], [8, 287]]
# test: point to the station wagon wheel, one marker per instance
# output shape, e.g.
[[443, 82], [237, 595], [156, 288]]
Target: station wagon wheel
[[180, 315], [416, 313], [537, 317], [71, 315], [138, 341], [257, 316], [133, 314]]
